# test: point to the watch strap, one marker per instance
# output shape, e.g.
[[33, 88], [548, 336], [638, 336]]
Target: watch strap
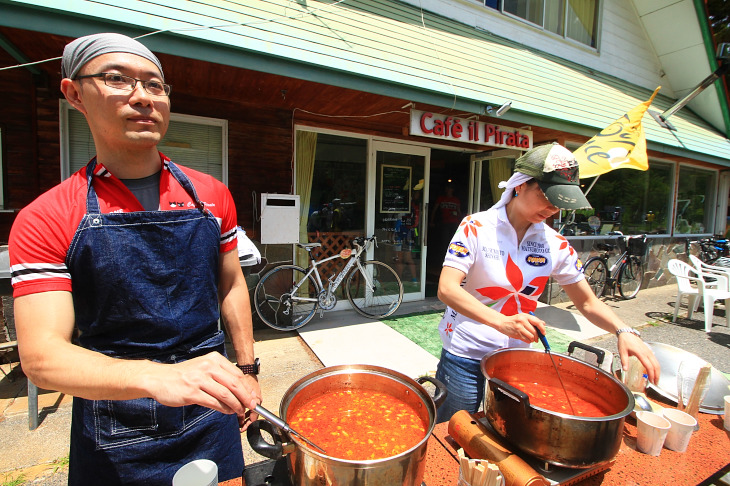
[[250, 369], [628, 329]]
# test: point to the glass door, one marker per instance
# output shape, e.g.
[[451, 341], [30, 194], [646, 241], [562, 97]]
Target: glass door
[[399, 212], [488, 169]]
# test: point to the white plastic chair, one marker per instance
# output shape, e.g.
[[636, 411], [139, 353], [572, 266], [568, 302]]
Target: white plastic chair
[[711, 270], [708, 291], [686, 277]]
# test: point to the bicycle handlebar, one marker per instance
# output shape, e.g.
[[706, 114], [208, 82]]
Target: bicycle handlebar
[[360, 241]]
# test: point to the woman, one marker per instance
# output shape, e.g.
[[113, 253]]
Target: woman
[[505, 256]]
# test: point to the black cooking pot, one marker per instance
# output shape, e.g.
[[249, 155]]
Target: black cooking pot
[[557, 438]]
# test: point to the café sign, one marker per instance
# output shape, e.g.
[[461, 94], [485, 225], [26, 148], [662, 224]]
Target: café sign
[[456, 129]]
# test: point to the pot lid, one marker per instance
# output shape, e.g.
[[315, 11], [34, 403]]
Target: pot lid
[[669, 358]]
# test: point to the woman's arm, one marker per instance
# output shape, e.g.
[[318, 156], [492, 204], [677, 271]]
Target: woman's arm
[[451, 293], [602, 316]]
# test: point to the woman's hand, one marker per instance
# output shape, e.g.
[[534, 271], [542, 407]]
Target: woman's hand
[[631, 345], [521, 326]]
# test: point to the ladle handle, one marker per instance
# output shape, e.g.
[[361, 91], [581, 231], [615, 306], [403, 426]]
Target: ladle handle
[[272, 418], [542, 337]]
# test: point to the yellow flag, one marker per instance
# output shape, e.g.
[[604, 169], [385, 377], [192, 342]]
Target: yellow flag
[[620, 145]]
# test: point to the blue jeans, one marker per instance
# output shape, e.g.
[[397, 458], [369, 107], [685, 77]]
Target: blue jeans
[[464, 383]]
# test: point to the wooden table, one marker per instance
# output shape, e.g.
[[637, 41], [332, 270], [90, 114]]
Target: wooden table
[[708, 453]]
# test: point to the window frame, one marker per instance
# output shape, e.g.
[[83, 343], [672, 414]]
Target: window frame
[[709, 229], [672, 166], [65, 107], [2, 171], [563, 35]]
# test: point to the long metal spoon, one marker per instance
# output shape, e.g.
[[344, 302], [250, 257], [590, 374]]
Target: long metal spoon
[[283, 425], [545, 343]]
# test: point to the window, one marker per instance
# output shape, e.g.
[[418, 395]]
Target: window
[[2, 183], [336, 189], [695, 201], [627, 200], [572, 19], [195, 142]]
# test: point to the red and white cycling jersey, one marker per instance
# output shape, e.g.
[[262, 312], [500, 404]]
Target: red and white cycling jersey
[[503, 274], [42, 232]]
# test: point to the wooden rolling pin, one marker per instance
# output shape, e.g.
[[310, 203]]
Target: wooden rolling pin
[[480, 443]]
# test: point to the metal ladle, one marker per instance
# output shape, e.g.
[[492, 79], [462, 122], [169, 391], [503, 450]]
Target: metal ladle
[[283, 425], [545, 343], [642, 402]]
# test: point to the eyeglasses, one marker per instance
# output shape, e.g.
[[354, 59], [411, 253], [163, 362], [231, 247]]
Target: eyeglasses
[[128, 83]]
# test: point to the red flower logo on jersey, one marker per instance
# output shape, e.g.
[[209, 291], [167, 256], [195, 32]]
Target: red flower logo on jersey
[[564, 244], [449, 329], [517, 302], [470, 225]]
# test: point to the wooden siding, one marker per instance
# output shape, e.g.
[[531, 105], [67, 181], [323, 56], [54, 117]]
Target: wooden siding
[[381, 41]]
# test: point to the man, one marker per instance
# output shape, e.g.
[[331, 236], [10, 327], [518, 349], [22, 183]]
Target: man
[[119, 273]]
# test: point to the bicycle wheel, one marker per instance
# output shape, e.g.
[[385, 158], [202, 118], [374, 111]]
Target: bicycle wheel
[[596, 273], [375, 291], [630, 277], [275, 303]]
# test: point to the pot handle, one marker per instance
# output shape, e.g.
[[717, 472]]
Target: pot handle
[[502, 389], [259, 444], [600, 354], [439, 395]]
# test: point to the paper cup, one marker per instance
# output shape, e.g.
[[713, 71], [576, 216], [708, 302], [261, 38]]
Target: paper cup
[[200, 472], [682, 426], [652, 431], [727, 412]]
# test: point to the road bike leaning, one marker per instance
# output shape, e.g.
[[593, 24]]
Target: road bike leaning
[[626, 273], [710, 249], [287, 297]]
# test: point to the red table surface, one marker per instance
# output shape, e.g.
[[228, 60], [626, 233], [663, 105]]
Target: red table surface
[[707, 453]]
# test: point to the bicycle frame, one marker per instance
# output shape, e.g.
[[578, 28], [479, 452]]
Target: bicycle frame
[[333, 284], [613, 269], [614, 273]]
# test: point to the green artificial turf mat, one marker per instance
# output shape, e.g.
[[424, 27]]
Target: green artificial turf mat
[[422, 329]]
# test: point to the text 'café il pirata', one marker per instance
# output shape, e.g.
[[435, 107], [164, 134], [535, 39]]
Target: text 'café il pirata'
[[443, 127]]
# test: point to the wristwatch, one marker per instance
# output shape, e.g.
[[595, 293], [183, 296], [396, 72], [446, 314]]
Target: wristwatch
[[250, 369], [628, 329]]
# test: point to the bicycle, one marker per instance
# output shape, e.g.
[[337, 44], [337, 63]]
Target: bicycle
[[626, 273], [710, 249], [287, 296]]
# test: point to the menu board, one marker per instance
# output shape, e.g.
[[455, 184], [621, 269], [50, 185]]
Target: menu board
[[395, 189]]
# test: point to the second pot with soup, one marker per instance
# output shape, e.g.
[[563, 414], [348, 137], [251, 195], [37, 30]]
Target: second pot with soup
[[308, 466], [552, 433]]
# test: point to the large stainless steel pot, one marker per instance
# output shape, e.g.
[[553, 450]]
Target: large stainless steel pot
[[557, 438], [308, 466]]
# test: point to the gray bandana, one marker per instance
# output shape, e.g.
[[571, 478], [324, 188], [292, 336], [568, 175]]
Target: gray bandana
[[84, 49]]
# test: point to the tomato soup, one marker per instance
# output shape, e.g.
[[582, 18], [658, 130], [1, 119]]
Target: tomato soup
[[553, 398], [358, 424]]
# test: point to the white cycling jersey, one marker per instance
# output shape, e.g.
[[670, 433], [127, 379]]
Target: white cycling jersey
[[504, 274]]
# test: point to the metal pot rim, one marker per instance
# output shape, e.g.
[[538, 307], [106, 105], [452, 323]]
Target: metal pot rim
[[310, 378], [627, 411]]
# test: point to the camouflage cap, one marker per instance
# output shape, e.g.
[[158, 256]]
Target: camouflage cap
[[556, 171]]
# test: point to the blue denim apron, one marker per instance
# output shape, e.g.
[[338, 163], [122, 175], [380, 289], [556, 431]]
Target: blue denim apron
[[145, 287]]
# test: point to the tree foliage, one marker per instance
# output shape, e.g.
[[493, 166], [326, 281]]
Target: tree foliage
[[719, 13]]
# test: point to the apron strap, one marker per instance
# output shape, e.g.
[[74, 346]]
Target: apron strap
[[92, 199]]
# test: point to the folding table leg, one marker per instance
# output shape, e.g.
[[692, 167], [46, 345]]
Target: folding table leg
[[32, 406]]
